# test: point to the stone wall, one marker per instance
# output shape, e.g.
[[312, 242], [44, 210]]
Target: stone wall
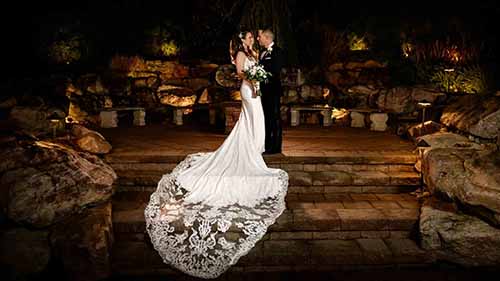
[[154, 85]]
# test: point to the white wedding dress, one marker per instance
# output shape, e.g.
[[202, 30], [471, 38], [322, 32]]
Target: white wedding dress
[[213, 207]]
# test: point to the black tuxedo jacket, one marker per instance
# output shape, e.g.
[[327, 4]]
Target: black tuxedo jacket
[[273, 62]]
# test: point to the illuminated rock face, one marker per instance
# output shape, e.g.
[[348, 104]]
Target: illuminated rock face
[[429, 127], [405, 99], [47, 182], [176, 96], [475, 115], [93, 142], [369, 72], [177, 101], [467, 175]]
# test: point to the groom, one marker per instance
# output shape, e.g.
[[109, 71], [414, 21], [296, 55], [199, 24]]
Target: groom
[[272, 59]]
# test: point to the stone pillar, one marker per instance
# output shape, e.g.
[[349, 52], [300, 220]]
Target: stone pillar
[[295, 117], [109, 119], [327, 117], [357, 119], [178, 112], [140, 118], [378, 121]]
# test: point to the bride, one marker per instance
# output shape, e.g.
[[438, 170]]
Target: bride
[[214, 206]]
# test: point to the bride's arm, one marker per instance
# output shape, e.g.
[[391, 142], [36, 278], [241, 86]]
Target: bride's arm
[[240, 61]]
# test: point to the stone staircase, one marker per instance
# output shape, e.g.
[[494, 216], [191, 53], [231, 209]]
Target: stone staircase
[[347, 210], [365, 172]]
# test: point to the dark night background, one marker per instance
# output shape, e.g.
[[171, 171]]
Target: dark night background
[[112, 27]]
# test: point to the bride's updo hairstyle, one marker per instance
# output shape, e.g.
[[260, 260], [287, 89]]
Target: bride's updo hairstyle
[[236, 45]]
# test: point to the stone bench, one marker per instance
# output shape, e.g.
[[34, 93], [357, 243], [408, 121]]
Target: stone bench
[[326, 111], [109, 116], [378, 119], [178, 113]]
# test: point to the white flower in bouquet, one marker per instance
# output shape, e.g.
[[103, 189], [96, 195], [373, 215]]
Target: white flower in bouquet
[[257, 74]]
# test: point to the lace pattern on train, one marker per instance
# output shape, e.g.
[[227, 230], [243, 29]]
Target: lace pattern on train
[[201, 240]]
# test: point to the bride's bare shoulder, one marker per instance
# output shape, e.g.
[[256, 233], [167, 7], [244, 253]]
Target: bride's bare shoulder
[[241, 54]]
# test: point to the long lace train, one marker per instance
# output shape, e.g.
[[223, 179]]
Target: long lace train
[[202, 240]]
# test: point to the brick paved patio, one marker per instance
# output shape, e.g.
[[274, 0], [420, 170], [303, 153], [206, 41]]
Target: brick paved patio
[[165, 140]]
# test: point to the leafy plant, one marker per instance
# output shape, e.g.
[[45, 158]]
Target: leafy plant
[[448, 51], [357, 43], [467, 79], [63, 45], [474, 79], [164, 40]]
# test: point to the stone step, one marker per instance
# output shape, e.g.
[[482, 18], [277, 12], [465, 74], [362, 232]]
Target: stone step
[[139, 258], [289, 167], [305, 157], [345, 216], [323, 181], [323, 191]]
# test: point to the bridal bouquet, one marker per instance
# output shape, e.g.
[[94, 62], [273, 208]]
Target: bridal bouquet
[[257, 74]]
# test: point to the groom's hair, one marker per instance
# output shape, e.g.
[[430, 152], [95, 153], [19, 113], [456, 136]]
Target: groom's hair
[[269, 33]]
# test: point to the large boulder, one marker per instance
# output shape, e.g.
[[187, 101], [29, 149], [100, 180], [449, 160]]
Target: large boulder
[[83, 244], [405, 99], [364, 96], [46, 182], [475, 115], [312, 94], [35, 120], [446, 140], [91, 141], [468, 176], [457, 237], [429, 127], [176, 96], [149, 82]]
